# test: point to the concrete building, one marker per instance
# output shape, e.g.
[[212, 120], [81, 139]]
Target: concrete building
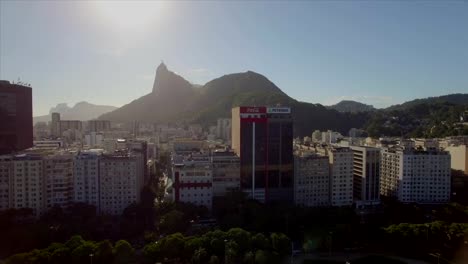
[[58, 176], [94, 139], [27, 183], [263, 139], [311, 180], [366, 175], [341, 176], [415, 176], [16, 125], [58, 126], [459, 158], [86, 178], [226, 172], [121, 180], [98, 125], [192, 180], [6, 171], [223, 129]]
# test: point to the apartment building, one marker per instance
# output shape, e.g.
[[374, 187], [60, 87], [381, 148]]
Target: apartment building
[[27, 183], [58, 176], [86, 178], [6, 169], [341, 176], [311, 180], [121, 180], [415, 175]]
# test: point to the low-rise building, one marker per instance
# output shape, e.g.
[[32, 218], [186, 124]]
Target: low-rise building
[[192, 180]]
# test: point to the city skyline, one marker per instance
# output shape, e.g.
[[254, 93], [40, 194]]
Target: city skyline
[[84, 51]]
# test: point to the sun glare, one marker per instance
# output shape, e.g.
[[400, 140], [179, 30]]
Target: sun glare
[[130, 15]]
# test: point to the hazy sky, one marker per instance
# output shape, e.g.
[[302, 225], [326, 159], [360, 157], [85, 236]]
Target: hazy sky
[[376, 52]]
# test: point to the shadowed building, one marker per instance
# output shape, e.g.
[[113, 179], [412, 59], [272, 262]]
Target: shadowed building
[[263, 137], [16, 123]]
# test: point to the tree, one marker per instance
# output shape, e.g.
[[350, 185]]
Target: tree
[[172, 222], [200, 256], [74, 242], [214, 260], [104, 252], [249, 258], [123, 252], [81, 254], [259, 241], [281, 243]]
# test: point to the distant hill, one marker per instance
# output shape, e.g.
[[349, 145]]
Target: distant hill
[[455, 99], [428, 117], [174, 99], [80, 111], [351, 106]]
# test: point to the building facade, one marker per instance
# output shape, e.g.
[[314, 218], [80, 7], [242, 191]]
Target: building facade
[[226, 172], [366, 174], [121, 180], [415, 176], [16, 126], [311, 180], [263, 139], [86, 179], [58, 175], [192, 180], [341, 176]]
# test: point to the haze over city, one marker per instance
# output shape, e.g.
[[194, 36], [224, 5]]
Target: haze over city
[[379, 53]]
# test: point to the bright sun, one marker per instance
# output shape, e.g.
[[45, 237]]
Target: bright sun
[[129, 15]]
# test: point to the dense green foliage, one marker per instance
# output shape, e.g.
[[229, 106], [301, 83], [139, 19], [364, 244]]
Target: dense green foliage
[[419, 120]]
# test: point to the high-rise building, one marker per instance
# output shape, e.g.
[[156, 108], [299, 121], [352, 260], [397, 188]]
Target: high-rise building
[[223, 129], [263, 139], [366, 170], [6, 169], [59, 128], [415, 175], [27, 183], [58, 175], [341, 176], [99, 125], [311, 180], [121, 180], [86, 178], [16, 125]]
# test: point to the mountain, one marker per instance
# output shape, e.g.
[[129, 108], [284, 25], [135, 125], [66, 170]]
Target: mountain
[[174, 99], [80, 111], [351, 106], [428, 117], [455, 99]]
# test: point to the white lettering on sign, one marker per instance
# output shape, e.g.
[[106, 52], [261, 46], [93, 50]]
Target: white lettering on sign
[[278, 110]]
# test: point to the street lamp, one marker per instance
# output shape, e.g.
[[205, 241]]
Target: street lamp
[[91, 258]]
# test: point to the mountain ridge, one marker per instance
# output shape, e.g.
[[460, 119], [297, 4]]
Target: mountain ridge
[[80, 111]]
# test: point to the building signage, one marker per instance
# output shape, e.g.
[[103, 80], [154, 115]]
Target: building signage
[[278, 110], [252, 110]]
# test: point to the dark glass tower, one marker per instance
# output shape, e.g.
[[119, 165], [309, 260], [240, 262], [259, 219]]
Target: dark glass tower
[[263, 139], [16, 124]]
